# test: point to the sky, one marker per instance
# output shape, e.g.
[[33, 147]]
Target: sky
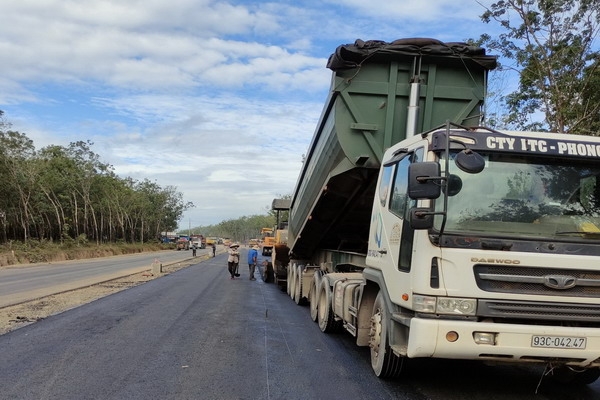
[[219, 99]]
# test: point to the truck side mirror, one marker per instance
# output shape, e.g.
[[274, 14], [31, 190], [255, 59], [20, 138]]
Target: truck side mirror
[[424, 180]]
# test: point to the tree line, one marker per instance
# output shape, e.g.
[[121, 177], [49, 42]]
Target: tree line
[[66, 193], [239, 229], [244, 228]]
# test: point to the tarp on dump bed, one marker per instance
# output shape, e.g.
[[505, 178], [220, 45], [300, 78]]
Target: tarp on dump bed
[[352, 55]]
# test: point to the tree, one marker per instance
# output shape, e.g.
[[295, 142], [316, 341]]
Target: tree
[[552, 45], [87, 166], [54, 183], [19, 175]]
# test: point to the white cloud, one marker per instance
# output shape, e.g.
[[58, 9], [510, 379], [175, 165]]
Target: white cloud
[[415, 10], [217, 98]]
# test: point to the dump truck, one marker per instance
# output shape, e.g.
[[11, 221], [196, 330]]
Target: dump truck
[[424, 234], [198, 240]]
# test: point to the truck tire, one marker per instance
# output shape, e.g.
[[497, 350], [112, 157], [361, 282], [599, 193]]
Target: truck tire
[[570, 376], [268, 273], [313, 295], [587, 377], [291, 283], [280, 282], [384, 362], [326, 317], [298, 299]]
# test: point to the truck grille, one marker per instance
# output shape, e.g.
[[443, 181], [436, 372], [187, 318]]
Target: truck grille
[[538, 281], [519, 310]]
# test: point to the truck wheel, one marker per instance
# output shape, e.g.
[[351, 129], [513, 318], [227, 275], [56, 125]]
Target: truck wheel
[[384, 362], [588, 376], [326, 318], [268, 273], [280, 282], [292, 281], [313, 296], [570, 376], [298, 299], [289, 278]]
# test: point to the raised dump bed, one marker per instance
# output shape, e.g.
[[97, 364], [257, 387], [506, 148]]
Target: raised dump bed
[[366, 112]]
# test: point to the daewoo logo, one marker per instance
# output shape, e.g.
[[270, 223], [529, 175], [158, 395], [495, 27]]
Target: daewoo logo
[[495, 261], [560, 282]]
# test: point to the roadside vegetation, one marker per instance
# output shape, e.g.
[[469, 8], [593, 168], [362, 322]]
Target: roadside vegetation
[[63, 203], [238, 230], [60, 203], [67, 194], [34, 251]]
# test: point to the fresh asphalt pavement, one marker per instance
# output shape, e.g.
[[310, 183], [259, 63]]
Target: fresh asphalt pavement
[[197, 334], [193, 334]]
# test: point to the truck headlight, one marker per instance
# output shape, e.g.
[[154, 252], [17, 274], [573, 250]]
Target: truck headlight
[[444, 305], [424, 304], [450, 305]]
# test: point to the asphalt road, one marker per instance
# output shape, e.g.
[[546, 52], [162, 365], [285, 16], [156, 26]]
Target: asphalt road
[[196, 334], [21, 283]]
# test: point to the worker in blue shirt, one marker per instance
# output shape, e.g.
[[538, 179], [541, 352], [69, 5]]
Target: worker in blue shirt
[[252, 259]]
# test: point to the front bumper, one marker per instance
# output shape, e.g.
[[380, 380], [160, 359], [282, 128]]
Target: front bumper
[[513, 342]]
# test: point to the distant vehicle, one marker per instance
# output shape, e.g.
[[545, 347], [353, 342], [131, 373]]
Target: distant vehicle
[[199, 241], [183, 244], [210, 240], [168, 237], [268, 241]]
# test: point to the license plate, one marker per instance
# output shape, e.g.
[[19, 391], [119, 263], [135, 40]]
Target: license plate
[[558, 342]]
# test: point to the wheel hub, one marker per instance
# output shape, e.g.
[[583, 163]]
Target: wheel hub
[[375, 332]]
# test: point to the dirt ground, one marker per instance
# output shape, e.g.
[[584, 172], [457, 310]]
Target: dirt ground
[[17, 316]]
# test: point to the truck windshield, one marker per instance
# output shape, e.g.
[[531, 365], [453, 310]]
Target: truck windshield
[[519, 197]]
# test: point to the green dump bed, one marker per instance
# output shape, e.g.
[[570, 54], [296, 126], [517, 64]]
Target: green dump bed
[[367, 112]]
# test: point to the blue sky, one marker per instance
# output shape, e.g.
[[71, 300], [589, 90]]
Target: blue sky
[[217, 98]]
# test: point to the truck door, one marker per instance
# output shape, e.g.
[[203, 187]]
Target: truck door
[[391, 238]]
